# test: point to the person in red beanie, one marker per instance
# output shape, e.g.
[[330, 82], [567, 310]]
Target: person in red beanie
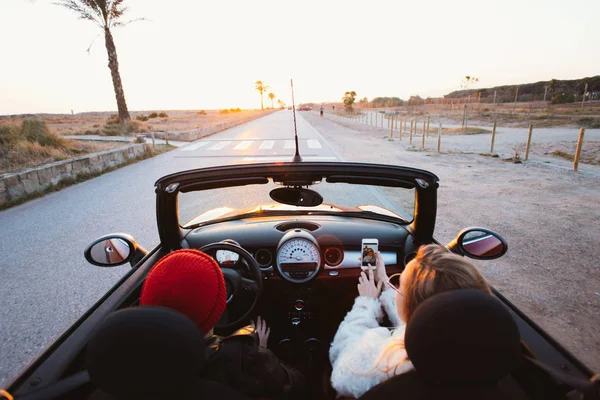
[[191, 282]]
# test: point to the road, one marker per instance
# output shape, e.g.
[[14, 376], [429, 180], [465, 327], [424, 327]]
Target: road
[[45, 281]]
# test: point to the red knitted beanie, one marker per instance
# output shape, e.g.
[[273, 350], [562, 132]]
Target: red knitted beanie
[[190, 282]]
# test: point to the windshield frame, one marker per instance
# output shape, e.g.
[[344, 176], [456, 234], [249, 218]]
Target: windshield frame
[[295, 174]]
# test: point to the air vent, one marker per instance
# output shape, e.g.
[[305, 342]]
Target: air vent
[[286, 226]]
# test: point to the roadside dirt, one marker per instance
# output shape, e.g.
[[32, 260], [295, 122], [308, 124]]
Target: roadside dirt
[[549, 215]]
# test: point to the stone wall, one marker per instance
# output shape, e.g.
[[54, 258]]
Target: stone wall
[[16, 185]]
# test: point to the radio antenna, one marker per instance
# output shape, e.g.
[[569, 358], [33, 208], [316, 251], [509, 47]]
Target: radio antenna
[[296, 157]]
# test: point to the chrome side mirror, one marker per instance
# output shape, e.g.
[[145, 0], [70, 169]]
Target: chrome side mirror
[[479, 243], [113, 250]]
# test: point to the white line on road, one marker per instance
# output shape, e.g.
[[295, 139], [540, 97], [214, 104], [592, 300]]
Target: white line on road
[[194, 146], [267, 144], [289, 144], [218, 146], [243, 145], [314, 144]]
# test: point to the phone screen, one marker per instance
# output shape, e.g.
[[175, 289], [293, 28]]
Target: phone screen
[[369, 252]]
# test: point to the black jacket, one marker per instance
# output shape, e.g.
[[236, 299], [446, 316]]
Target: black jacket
[[239, 362]]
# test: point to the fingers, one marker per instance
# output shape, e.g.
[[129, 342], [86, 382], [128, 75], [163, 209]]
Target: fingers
[[371, 275], [363, 276], [267, 334]]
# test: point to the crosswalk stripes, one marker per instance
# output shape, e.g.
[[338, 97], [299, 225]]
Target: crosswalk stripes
[[314, 144], [219, 146], [243, 145], [254, 144], [266, 145], [195, 146]]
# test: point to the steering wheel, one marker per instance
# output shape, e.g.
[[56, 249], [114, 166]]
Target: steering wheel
[[235, 283]]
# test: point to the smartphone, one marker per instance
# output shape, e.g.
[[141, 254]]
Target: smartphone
[[369, 248]]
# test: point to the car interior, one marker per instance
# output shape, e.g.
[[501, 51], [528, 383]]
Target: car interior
[[295, 263]]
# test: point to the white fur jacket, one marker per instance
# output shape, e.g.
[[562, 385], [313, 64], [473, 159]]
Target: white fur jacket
[[356, 350]]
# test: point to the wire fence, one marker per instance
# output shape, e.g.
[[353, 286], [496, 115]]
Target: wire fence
[[434, 132]]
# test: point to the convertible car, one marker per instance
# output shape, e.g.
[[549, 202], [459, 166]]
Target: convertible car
[[288, 239]]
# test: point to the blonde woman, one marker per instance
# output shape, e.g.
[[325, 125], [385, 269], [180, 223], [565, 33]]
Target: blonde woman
[[363, 353]]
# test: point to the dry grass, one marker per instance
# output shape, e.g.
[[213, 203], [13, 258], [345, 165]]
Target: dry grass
[[101, 123], [469, 130], [30, 143]]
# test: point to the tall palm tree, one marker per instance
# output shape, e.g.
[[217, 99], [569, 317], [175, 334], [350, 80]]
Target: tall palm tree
[[272, 97], [107, 14], [261, 87]]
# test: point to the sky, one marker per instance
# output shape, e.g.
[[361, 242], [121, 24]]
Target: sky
[[192, 54]]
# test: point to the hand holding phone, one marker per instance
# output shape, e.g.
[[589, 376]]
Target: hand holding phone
[[369, 247]]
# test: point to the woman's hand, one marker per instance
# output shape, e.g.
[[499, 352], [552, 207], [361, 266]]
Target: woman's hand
[[262, 330], [380, 272], [366, 285]]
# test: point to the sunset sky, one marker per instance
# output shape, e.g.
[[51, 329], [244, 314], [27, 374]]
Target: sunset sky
[[206, 55]]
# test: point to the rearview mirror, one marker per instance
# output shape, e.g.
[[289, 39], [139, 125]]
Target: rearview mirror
[[479, 243], [113, 250], [296, 197]]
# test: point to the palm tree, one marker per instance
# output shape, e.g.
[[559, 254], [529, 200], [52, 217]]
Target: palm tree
[[107, 14], [261, 87], [280, 103], [272, 97]]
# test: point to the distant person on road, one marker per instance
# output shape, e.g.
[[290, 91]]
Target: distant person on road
[[322, 108]]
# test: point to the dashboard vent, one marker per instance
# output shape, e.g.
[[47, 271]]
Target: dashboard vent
[[286, 226]]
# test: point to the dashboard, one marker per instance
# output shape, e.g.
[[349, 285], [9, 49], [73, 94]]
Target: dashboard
[[301, 249]]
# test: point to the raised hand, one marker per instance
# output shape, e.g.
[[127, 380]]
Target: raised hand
[[366, 284], [262, 330]]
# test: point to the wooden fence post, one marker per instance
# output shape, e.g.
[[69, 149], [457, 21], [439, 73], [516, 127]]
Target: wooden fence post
[[493, 137], [411, 131], [167, 137], [391, 123], [528, 141], [428, 125], [423, 139], [400, 128], [439, 137], [153, 144], [578, 150]]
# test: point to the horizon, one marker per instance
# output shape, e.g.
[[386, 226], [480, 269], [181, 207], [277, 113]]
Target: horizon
[[188, 57]]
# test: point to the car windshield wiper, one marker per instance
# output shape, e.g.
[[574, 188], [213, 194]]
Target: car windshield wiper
[[276, 213]]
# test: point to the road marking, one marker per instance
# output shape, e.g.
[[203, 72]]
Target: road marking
[[218, 146], [243, 145], [267, 144], [289, 144], [194, 146], [314, 144], [289, 158]]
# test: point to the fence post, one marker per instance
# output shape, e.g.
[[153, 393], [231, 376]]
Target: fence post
[[423, 139], [578, 150], [167, 137], [400, 128], [411, 131], [493, 137], [391, 124], [153, 144], [427, 125], [528, 141], [439, 137], [584, 91], [516, 97]]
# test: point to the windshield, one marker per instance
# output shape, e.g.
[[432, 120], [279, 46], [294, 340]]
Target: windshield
[[199, 207]]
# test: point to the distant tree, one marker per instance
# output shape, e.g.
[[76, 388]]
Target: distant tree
[[107, 14], [415, 100], [349, 99], [272, 97], [552, 85], [261, 87], [280, 103]]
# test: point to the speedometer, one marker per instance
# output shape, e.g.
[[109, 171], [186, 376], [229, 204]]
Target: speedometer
[[298, 256], [227, 257]]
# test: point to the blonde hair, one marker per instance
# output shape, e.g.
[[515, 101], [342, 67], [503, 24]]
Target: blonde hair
[[435, 270]]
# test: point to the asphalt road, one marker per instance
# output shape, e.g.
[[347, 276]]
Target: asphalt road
[[46, 284]]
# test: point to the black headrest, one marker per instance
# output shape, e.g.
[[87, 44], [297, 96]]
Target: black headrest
[[462, 337], [146, 353]]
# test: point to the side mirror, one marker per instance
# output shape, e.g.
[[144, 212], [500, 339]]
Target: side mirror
[[479, 243], [113, 250]]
